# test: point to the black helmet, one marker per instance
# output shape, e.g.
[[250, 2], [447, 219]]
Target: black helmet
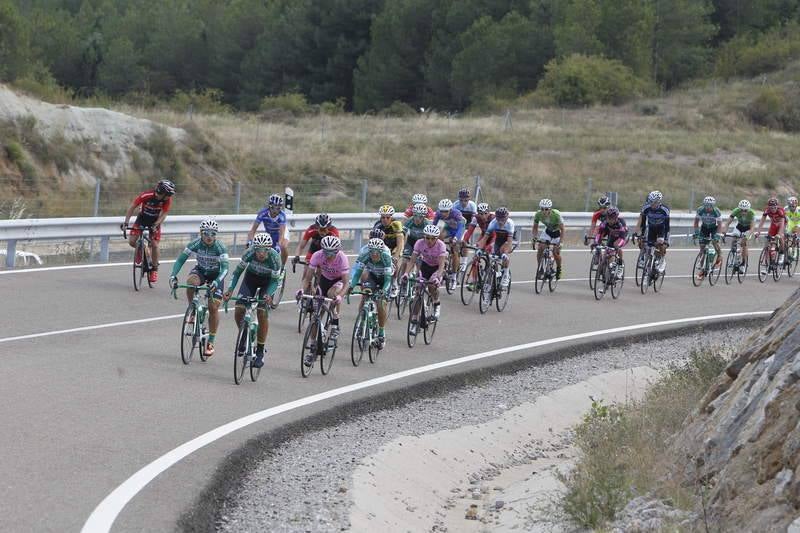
[[502, 212], [322, 220], [603, 201], [165, 187]]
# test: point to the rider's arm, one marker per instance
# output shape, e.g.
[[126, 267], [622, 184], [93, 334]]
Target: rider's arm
[[386, 259], [253, 229], [224, 264], [460, 229], [164, 210], [282, 232], [642, 220], [761, 224], [302, 243], [439, 274], [184, 255], [131, 209], [357, 270], [238, 272], [275, 266], [400, 242]]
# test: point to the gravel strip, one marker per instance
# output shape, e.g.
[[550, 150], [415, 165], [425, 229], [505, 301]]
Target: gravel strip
[[304, 486]]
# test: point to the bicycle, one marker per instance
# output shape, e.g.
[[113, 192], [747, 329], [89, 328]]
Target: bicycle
[[303, 311], [768, 261], [792, 254], [473, 277], [405, 293], [706, 264], [651, 268], [276, 298], [194, 329], [610, 273], [451, 272], [244, 353], [734, 264], [365, 329], [593, 263], [142, 261], [546, 270], [318, 329], [491, 286], [419, 315]]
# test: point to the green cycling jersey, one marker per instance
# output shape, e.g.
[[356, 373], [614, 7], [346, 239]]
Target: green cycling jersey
[[709, 216], [413, 230], [381, 267], [746, 217], [551, 222], [792, 218], [211, 259], [270, 268]]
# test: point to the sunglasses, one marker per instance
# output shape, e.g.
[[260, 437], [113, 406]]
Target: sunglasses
[[429, 238], [208, 233]]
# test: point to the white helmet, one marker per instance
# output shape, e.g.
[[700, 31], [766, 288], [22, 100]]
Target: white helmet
[[209, 224], [709, 201], [376, 244], [331, 243], [483, 207], [420, 209], [792, 200], [262, 240], [431, 231], [445, 205], [545, 203], [419, 198], [744, 204], [655, 196], [386, 210]]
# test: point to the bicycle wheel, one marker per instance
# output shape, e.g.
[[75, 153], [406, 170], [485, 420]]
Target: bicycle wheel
[[617, 282], [203, 335], [552, 280], [730, 266], [794, 257], [147, 266], [599, 282], [763, 265], [487, 290], [428, 332], [538, 283], [240, 360], [276, 300], [698, 269], [501, 299], [644, 274], [777, 270], [302, 314], [358, 341], [309, 347], [469, 281], [254, 371], [188, 336], [138, 265], [326, 357], [714, 271], [450, 281], [640, 260], [658, 280], [373, 350], [414, 310], [592, 269], [741, 273]]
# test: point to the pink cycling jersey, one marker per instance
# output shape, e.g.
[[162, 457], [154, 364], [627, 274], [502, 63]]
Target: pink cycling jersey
[[332, 269], [430, 254]]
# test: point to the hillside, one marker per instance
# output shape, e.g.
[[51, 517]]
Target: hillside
[[690, 143]]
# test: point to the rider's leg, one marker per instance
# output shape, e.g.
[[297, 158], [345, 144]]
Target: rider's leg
[[284, 250], [263, 327], [193, 279], [154, 254]]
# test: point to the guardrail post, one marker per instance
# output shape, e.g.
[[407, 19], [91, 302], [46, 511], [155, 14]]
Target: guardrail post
[[237, 208], [11, 253], [363, 210], [104, 249]]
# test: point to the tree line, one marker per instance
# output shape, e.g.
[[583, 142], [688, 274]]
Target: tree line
[[368, 54]]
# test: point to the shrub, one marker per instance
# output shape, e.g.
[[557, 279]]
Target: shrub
[[14, 152], [749, 55], [399, 109], [165, 157], [293, 103], [333, 108], [206, 101], [41, 84], [776, 108], [580, 80]]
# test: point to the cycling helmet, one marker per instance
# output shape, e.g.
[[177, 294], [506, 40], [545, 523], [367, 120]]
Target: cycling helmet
[[419, 198], [772, 202], [323, 220], [744, 204], [386, 211], [165, 187], [331, 243], [612, 212], [709, 201], [792, 201], [420, 209], [502, 212], [377, 233], [483, 207], [376, 244], [209, 224], [431, 231], [463, 193], [262, 240], [655, 196], [445, 205], [545, 203], [276, 199], [603, 201]]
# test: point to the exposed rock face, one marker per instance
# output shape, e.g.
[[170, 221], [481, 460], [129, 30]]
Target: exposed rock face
[[744, 441]]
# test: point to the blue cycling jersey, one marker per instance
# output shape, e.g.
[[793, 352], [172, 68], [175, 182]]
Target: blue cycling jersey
[[454, 223], [468, 209], [502, 232], [272, 225]]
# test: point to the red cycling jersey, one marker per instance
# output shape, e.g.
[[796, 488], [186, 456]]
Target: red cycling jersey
[[409, 212], [483, 224], [598, 216], [313, 234], [775, 220], [151, 207]]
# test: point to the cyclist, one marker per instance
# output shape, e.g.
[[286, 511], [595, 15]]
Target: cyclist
[[414, 230], [777, 217], [321, 228], [503, 232], [373, 270], [430, 256], [453, 221], [792, 222], [330, 266], [655, 218], [261, 265], [465, 205], [153, 208], [745, 216], [615, 230], [211, 268], [274, 220], [709, 219], [419, 198], [599, 216], [394, 238], [553, 231], [481, 220]]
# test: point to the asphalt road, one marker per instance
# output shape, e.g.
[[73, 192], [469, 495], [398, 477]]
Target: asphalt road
[[82, 411]]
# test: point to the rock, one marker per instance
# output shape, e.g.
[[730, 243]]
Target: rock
[[472, 512], [499, 504]]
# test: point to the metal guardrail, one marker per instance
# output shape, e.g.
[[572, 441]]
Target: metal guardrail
[[31, 229]]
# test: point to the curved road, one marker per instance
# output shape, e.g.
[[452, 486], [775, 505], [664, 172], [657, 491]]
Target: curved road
[[82, 411]]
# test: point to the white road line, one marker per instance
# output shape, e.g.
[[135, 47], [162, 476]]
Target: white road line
[[104, 515]]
